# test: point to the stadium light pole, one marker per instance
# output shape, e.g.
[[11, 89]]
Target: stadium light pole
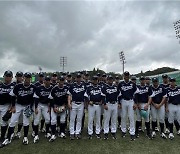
[[63, 62], [122, 59]]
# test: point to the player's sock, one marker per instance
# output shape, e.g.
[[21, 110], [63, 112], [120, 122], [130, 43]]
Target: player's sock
[[154, 125], [36, 127], [171, 127], [58, 121], [19, 127], [53, 129], [167, 123], [162, 127], [176, 125], [138, 123], [42, 123], [47, 128], [33, 125], [62, 127], [3, 131], [26, 130], [10, 132], [101, 120], [83, 120], [119, 120], [147, 124]]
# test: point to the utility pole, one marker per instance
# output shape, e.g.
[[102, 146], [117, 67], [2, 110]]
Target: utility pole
[[63, 62], [122, 59]]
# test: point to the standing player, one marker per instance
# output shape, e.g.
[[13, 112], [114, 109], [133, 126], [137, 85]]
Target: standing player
[[141, 98], [58, 98], [94, 99], [173, 106], [134, 79], [76, 104], [5, 100], [42, 107], [127, 89], [158, 98], [24, 93], [54, 79], [112, 95], [148, 81]]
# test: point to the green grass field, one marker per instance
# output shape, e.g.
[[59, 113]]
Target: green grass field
[[141, 145]]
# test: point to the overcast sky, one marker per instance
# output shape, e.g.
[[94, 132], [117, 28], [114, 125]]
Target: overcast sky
[[89, 33]]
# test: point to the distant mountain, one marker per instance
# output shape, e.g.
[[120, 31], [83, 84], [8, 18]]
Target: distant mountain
[[157, 71]]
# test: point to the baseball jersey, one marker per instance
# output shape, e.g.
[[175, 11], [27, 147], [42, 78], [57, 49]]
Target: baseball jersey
[[37, 84], [127, 90], [94, 93], [173, 95], [111, 93], [41, 95], [77, 92], [59, 95], [142, 94], [5, 89], [157, 94], [102, 84], [53, 84], [24, 94], [87, 83]]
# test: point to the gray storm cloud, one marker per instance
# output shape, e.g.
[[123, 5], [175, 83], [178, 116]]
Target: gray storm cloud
[[89, 33]]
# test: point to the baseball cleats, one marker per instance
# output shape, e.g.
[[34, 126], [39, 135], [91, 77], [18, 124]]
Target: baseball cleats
[[105, 136], [156, 129], [53, 137], [153, 135], [72, 137], [33, 134], [48, 135], [18, 135], [43, 130], [149, 136], [62, 135], [90, 137], [25, 141], [123, 135], [163, 136], [98, 136], [178, 133], [167, 131], [36, 139], [171, 136], [6, 142], [133, 137], [114, 136], [78, 136]]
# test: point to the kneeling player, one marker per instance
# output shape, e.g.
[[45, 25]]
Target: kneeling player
[[42, 106], [58, 97]]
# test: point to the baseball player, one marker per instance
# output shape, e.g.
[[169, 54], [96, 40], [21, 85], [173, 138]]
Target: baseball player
[[58, 98], [143, 103], [173, 105], [54, 79], [5, 100], [94, 99], [76, 101], [42, 106], [134, 79], [110, 102], [158, 97], [127, 89], [24, 93], [19, 79]]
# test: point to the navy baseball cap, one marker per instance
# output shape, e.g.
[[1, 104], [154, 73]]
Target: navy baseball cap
[[64, 74], [142, 78], [61, 78], [126, 73], [28, 75], [147, 78], [19, 74], [104, 75], [47, 78], [86, 74], [54, 74], [95, 77], [8, 73], [69, 75], [110, 77], [172, 80], [98, 74], [155, 79], [133, 78], [41, 74], [117, 78], [165, 76], [78, 75]]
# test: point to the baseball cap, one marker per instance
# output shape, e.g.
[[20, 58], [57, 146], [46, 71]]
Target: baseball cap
[[104, 75], [27, 75], [19, 74], [98, 74], [164, 76], [117, 78], [78, 75], [142, 78], [69, 75], [110, 77], [172, 80], [54, 74], [47, 78], [64, 74], [8, 73], [41, 74], [86, 74], [95, 77], [61, 78], [133, 78], [147, 78], [155, 79], [126, 73]]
